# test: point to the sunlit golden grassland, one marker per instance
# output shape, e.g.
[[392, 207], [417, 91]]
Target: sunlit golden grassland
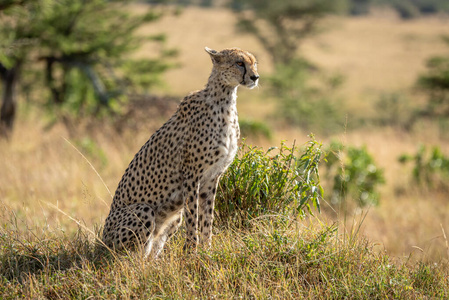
[[47, 184]]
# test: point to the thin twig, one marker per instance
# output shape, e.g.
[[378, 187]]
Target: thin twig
[[93, 168], [445, 240], [81, 225]]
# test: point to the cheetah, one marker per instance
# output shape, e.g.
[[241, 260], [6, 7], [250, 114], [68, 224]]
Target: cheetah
[[176, 172]]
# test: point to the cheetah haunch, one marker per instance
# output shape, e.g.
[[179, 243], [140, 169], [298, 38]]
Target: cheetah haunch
[[178, 168]]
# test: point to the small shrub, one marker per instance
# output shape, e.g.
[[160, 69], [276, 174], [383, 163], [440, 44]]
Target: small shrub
[[260, 182], [431, 169], [355, 175]]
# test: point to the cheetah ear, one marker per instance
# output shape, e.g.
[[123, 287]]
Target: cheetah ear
[[214, 55]]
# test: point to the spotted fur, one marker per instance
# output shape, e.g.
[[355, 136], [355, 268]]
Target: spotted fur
[[176, 171]]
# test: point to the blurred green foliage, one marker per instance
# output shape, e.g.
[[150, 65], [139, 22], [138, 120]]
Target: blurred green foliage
[[258, 182], [354, 175], [430, 168], [435, 82], [80, 52], [408, 9], [254, 129], [306, 97], [393, 109]]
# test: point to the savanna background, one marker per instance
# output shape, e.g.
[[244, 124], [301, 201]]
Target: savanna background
[[85, 84]]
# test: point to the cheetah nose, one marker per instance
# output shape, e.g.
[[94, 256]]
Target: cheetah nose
[[254, 77]]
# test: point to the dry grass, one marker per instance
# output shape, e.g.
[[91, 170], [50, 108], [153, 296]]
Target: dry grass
[[42, 167], [276, 258]]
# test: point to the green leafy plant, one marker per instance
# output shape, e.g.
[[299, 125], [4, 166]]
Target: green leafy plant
[[431, 168], [261, 182], [355, 175]]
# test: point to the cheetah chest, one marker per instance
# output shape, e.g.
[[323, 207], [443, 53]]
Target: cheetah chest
[[226, 145]]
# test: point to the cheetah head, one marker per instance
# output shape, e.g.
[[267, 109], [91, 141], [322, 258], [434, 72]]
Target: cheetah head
[[235, 66]]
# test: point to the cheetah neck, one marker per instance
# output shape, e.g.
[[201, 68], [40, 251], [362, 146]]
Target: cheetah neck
[[219, 93]]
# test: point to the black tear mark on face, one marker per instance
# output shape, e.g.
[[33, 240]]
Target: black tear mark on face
[[244, 73]]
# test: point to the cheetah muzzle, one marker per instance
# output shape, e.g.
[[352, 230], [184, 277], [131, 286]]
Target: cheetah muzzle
[[176, 172]]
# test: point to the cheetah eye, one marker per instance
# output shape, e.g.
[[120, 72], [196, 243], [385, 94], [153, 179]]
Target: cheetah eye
[[240, 64]]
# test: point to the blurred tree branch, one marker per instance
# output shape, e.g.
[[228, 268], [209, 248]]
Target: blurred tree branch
[[5, 4], [76, 40], [281, 26]]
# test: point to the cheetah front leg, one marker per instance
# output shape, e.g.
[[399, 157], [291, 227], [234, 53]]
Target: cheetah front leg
[[206, 213], [190, 196], [158, 243]]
